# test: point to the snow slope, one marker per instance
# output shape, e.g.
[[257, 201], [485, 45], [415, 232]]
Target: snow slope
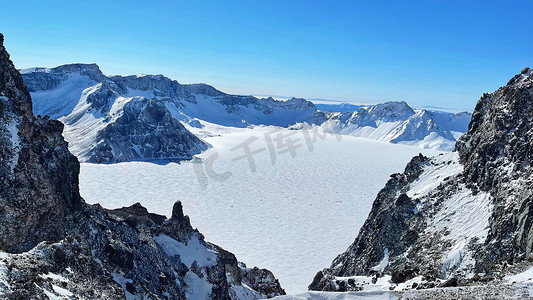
[[292, 215], [460, 227]]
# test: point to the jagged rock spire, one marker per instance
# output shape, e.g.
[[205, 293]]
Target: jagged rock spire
[[16, 99]]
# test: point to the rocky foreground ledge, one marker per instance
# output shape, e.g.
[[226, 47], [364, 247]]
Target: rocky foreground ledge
[[55, 246], [129, 252]]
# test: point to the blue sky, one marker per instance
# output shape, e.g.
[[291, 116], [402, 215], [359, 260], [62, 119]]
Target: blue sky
[[438, 53]]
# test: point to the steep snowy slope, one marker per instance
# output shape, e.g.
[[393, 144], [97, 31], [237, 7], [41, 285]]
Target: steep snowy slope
[[55, 246], [462, 218], [103, 122], [397, 122]]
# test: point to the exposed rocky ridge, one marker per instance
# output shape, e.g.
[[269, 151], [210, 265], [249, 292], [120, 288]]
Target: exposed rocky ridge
[[497, 153], [88, 102], [110, 254], [55, 246], [144, 131], [40, 79], [462, 218]]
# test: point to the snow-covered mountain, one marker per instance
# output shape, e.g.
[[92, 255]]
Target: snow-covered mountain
[[397, 122], [105, 122], [122, 118], [55, 246], [462, 218]]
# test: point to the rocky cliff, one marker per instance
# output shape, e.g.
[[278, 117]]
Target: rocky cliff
[[55, 246], [145, 130], [38, 175], [462, 218]]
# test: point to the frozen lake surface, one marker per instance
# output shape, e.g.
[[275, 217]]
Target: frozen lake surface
[[301, 207]]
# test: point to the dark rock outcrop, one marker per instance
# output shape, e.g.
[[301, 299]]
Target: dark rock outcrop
[[145, 131], [497, 153], [38, 175]]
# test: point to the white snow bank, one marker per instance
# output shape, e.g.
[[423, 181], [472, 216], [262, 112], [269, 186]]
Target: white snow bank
[[53, 276], [384, 262], [61, 100], [524, 277], [243, 292], [4, 284], [61, 291], [188, 253], [432, 141], [462, 217], [197, 288]]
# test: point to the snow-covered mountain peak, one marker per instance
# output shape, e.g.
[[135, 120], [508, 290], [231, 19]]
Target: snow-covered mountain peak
[[40, 79], [392, 109], [397, 122]]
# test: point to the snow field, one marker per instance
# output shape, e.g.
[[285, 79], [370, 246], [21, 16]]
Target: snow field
[[293, 215]]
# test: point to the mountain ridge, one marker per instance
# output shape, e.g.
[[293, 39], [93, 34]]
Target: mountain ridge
[[87, 102]]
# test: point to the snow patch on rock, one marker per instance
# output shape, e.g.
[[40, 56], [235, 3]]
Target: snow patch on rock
[[189, 253], [464, 217], [12, 128], [441, 167], [384, 262]]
